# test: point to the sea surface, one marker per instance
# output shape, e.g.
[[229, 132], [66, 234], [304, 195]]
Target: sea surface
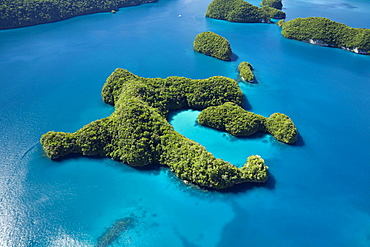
[[318, 193]]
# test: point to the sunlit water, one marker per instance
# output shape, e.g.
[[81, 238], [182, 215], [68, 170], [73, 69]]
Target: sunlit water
[[318, 192]]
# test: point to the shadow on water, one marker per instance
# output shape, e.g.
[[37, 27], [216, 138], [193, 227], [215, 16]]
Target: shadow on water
[[77, 156], [170, 116], [234, 57], [300, 142], [246, 105], [233, 232], [185, 242], [241, 188], [152, 168], [257, 135], [255, 81]]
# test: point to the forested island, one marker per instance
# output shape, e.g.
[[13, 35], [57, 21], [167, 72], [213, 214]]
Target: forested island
[[233, 119], [245, 72], [213, 45], [277, 4], [138, 133], [22, 13], [242, 11], [324, 32]]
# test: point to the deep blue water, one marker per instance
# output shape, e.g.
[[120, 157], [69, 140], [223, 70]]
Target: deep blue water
[[50, 79]]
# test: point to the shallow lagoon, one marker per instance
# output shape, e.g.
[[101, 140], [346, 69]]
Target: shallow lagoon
[[50, 79]]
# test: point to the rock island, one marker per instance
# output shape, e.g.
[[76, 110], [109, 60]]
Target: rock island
[[23, 13], [324, 32], [138, 133], [242, 11], [213, 45]]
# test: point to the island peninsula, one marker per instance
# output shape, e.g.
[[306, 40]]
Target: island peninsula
[[242, 11], [238, 122], [138, 133], [23, 13], [324, 32]]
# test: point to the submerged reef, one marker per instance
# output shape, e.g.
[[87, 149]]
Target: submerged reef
[[138, 133], [238, 122], [324, 32], [115, 231], [213, 45], [242, 11]]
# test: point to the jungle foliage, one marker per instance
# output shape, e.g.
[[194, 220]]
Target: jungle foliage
[[21, 13], [322, 31], [241, 11], [245, 72], [213, 45], [238, 122], [138, 134], [282, 128], [277, 4]]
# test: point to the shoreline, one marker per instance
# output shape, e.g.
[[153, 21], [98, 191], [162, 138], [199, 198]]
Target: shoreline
[[9, 24]]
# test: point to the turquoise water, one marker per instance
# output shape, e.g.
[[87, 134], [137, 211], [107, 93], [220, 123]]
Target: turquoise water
[[318, 193]]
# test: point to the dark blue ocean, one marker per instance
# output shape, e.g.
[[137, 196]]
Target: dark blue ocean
[[318, 193]]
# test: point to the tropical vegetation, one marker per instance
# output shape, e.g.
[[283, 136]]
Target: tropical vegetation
[[282, 128], [22, 13], [213, 45], [322, 31], [245, 72], [277, 4], [138, 133], [241, 11], [233, 119]]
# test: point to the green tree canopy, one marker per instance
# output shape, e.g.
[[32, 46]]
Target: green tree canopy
[[138, 133], [322, 31], [241, 11], [22, 13], [277, 4], [213, 45]]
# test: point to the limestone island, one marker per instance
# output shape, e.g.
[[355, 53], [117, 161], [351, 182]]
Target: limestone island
[[21, 13], [245, 72], [242, 11], [324, 32], [233, 119], [138, 133], [213, 45], [277, 4]]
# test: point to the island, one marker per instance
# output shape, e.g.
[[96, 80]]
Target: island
[[242, 11], [245, 72], [213, 45], [22, 13], [233, 119], [324, 32], [138, 133], [277, 4]]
